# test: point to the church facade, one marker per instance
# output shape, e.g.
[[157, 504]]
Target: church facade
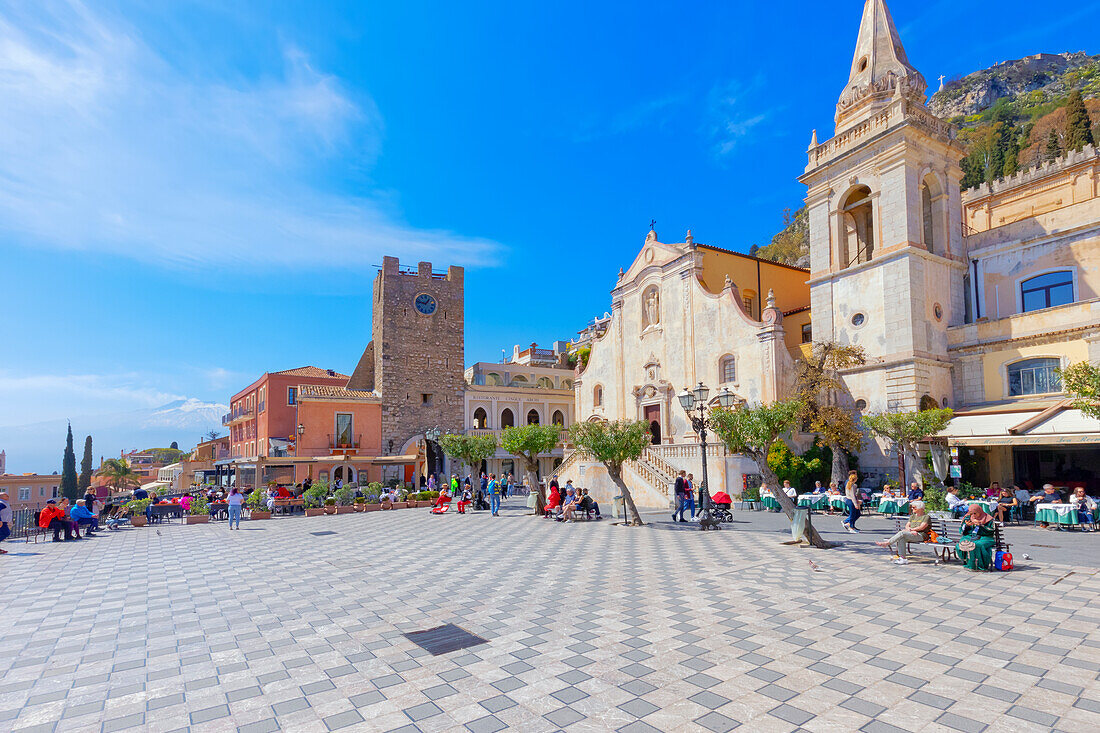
[[964, 299]]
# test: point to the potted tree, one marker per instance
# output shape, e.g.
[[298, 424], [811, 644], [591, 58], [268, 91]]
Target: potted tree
[[343, 498], [374, 490], [313, 499], [257, 507], [330, 505], [137, 508], [199, 511]]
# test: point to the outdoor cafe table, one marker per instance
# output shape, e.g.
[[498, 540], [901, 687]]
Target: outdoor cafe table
[[1064, 514], [893, 506], [989, 507], [218, 509], [164, 511], [814, 501], [769, 501]]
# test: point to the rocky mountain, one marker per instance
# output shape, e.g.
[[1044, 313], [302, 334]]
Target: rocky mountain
[[1031, 82]]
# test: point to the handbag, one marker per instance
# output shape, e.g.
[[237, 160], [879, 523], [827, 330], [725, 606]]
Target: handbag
[[966, 545]]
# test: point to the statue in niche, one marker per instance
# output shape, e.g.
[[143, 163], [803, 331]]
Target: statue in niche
[[652, 309]]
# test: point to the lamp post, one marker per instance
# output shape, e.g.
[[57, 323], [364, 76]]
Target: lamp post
[[694, 403]]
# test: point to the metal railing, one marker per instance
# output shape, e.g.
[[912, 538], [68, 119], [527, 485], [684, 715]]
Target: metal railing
[[338, 441], [241, 413]]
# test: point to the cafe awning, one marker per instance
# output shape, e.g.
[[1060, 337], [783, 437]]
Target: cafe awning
[[1050, 423]]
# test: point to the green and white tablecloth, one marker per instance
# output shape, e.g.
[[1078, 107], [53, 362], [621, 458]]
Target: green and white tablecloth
[[1056, 513], [838, 502], [893, 506], [814, 501], [769, 502]]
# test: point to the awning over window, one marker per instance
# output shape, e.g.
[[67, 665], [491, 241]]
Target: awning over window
[[1053, 423]]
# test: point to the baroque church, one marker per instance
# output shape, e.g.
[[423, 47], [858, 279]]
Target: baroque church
[[964, 299]]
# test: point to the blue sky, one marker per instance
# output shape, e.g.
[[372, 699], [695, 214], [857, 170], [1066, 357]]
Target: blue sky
[[193, 193]]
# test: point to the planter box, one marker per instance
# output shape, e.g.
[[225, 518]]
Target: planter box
[[196, 519], [314, 511], [260, 515], [372, 507], [138, 520], [329, 509], [360, 507], [421, 504], [401, 504], [345, 509]]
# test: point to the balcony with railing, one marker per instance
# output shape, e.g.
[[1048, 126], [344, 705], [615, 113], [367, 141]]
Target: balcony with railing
[[345, 442], [237, 415]]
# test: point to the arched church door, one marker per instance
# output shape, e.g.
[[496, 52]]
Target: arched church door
[[653, 417]]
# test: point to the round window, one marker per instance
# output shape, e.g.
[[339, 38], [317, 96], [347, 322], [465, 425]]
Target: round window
[[861, 405], [858, 319], [937, 311]]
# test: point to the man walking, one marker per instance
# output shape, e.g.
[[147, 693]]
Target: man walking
[[494, 495], [679, 490]]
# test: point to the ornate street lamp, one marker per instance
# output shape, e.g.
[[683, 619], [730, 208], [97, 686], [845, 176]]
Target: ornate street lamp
[[694, 403]]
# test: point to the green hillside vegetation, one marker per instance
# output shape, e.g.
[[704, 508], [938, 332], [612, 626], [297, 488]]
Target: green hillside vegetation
[[791, 245], [1013, 135]]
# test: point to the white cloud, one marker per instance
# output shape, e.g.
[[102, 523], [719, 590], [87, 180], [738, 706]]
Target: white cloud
[[736, 111], [104, 146], [42, 397]]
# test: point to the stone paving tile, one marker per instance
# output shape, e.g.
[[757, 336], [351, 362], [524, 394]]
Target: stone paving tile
[[632, 644]]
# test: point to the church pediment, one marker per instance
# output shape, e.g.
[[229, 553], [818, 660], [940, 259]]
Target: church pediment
[[653, 254]]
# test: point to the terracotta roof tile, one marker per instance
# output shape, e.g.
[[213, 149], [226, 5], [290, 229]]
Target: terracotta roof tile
[[311, 371], [331, 391]]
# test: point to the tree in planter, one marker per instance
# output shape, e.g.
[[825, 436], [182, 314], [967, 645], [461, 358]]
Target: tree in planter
[[818, 388], [118, 473], [1081, 381], [753, 431], [68, 469], [256, 502], [613, 444], [199, 504], [527, 442], [470, 449], [85, 481], [314, 496], [905, 429]]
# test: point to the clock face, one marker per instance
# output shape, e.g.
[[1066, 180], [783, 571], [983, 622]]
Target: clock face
[[424, 304]]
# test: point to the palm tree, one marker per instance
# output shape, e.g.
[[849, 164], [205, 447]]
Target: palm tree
[[118, 473]]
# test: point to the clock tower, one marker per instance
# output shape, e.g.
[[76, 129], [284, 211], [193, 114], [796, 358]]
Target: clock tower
[[416, 358]]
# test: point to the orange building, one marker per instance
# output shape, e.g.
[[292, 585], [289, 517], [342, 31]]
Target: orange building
[[304, 423]]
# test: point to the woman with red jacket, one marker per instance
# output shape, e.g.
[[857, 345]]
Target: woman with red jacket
[[553, 501]]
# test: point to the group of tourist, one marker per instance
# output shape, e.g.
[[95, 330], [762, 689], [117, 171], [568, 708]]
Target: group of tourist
[[562, 505], [61, 516], [1016, 501]]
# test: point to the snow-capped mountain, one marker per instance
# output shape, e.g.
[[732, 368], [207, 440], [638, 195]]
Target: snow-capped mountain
[[39, 447]]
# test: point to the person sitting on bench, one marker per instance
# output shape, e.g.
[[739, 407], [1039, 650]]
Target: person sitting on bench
[[53, 517], [81, 515], [553, 500], [569, 504], [588, 504], [918, 529]]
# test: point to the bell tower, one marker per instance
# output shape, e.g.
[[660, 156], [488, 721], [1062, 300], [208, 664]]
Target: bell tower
[[885, 216]]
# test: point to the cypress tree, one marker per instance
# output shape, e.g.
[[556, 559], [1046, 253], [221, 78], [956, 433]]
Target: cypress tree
[[1054, 148], [1078, 124], [68, 469], [85, 466], [175, 445]]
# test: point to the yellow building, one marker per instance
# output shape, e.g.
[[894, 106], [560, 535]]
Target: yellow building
[[1032, 307]]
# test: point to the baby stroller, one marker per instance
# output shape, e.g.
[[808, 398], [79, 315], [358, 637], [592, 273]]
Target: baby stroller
[[722, 503]]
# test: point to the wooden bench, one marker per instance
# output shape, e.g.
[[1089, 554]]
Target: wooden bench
[[949, 532]]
